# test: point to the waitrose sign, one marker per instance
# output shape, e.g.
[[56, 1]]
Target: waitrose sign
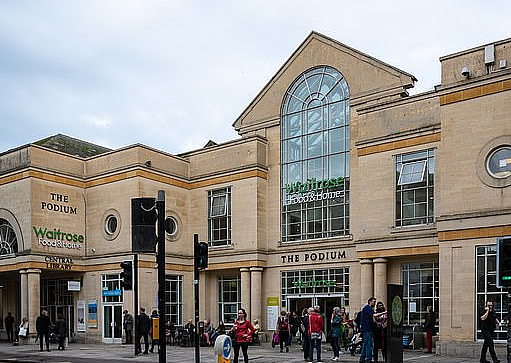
[[58, 238], [313, 190]]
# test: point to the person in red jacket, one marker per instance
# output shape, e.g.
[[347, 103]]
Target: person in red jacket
[[244, 331], [314, 331]]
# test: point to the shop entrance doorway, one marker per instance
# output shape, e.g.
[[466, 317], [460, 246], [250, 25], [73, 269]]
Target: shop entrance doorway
[[57, 299], [326, 304], [112, 324]]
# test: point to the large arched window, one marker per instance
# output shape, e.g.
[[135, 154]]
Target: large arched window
[[8, 241], [315, 147]]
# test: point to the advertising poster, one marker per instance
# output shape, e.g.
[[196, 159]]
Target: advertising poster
[[92, 319], [272, 307], [80, 316]]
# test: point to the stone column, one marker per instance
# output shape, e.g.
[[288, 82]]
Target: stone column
[[24, 294], [366, 279], [380, 279], [255, 292], [34, 293], [245, 290]]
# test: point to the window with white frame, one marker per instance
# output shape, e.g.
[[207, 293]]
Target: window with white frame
[[487, 290], [315, 156], [219, 217], [174, 298], [420, 290], [415, 188], [111, 288], [229, 298]]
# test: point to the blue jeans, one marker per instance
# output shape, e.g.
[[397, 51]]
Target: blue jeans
[[315, 343], [335, 346], [367, 346]]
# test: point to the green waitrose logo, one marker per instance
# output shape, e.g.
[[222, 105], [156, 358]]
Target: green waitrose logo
[[313, 190], [58, 239]]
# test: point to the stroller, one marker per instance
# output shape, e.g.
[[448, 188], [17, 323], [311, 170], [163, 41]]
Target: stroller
[[355, 345]]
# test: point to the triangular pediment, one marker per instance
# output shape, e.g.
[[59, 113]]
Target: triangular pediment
[[368, 78]]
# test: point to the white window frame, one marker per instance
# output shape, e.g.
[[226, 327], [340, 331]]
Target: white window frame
[[413, 173], [221, 303]]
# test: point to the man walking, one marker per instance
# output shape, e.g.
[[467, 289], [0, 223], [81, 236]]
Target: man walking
[[128, 327], [367, 316], [9, 327], [42, 326], [488, 322], [143, 324]]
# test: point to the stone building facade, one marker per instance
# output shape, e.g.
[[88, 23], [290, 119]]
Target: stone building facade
[[340, 183]]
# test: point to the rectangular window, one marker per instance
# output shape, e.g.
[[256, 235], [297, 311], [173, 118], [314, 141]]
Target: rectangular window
[[174, 298], [229, 298], [415, 188], [219, 217], [420, 290], [487, 290], [111, 288]]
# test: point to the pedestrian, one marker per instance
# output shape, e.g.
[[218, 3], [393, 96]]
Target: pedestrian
[[304, 327], [283, 330], [244, 332], [9, 327], [488, 322], [315, 332], [345, 326], [154, 315], [61, 331], [23, 330], [143, 325], [128, 326], [367, 316], [42, 326], [335, 331], [429, 327], [380, 332]]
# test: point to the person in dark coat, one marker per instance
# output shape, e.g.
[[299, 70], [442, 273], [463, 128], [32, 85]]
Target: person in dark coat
[[9, 327], [42, 326], [488, 322], [143, 327], [429, 327], [128, 326], [61, 331]]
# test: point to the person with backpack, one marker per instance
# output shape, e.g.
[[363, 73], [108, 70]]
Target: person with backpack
[[283, 330]]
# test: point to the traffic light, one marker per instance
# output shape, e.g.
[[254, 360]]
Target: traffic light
[[504, 262], [126, 275], [143, 224], [201, 255]]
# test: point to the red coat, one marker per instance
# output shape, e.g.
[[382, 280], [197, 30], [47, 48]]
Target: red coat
[[243, 331], [315, 323]]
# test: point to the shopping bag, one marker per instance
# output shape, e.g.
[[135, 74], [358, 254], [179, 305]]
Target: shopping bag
[[275, 340], [22, 332]]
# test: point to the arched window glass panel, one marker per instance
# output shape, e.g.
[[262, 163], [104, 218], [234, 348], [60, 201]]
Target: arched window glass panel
[[315, 156], [8, 241]]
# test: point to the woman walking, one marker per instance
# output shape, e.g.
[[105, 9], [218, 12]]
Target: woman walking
[[335, 331], [429, 327], [244, 331], [380, 332]]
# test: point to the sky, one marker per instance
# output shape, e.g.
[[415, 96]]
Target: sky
[[175, 74]]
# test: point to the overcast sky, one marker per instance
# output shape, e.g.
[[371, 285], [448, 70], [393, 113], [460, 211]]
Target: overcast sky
[[175, 74]]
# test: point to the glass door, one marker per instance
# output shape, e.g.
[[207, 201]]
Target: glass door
[[112, 324]]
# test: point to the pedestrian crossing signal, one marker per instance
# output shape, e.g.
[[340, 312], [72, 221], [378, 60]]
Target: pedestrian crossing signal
[[504, 262]]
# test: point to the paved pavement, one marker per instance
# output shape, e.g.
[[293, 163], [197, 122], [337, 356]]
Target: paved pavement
[[93, 353]]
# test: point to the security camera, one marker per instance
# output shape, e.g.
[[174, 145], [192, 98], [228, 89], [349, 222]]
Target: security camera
[[465, 72]]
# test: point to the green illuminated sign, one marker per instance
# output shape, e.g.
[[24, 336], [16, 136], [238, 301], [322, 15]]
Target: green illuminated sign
[[312, 185], [314, 283], [506, 277]]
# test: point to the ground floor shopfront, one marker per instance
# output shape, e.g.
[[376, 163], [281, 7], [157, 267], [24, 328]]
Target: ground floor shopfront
[[88, 294]]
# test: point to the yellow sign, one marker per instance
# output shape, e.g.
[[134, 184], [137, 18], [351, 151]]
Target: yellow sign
[[273, 301], [223, 360], [156, 328]]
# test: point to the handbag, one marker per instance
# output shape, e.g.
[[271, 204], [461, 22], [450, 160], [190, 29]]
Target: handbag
[[22, 332], [275, 340]]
